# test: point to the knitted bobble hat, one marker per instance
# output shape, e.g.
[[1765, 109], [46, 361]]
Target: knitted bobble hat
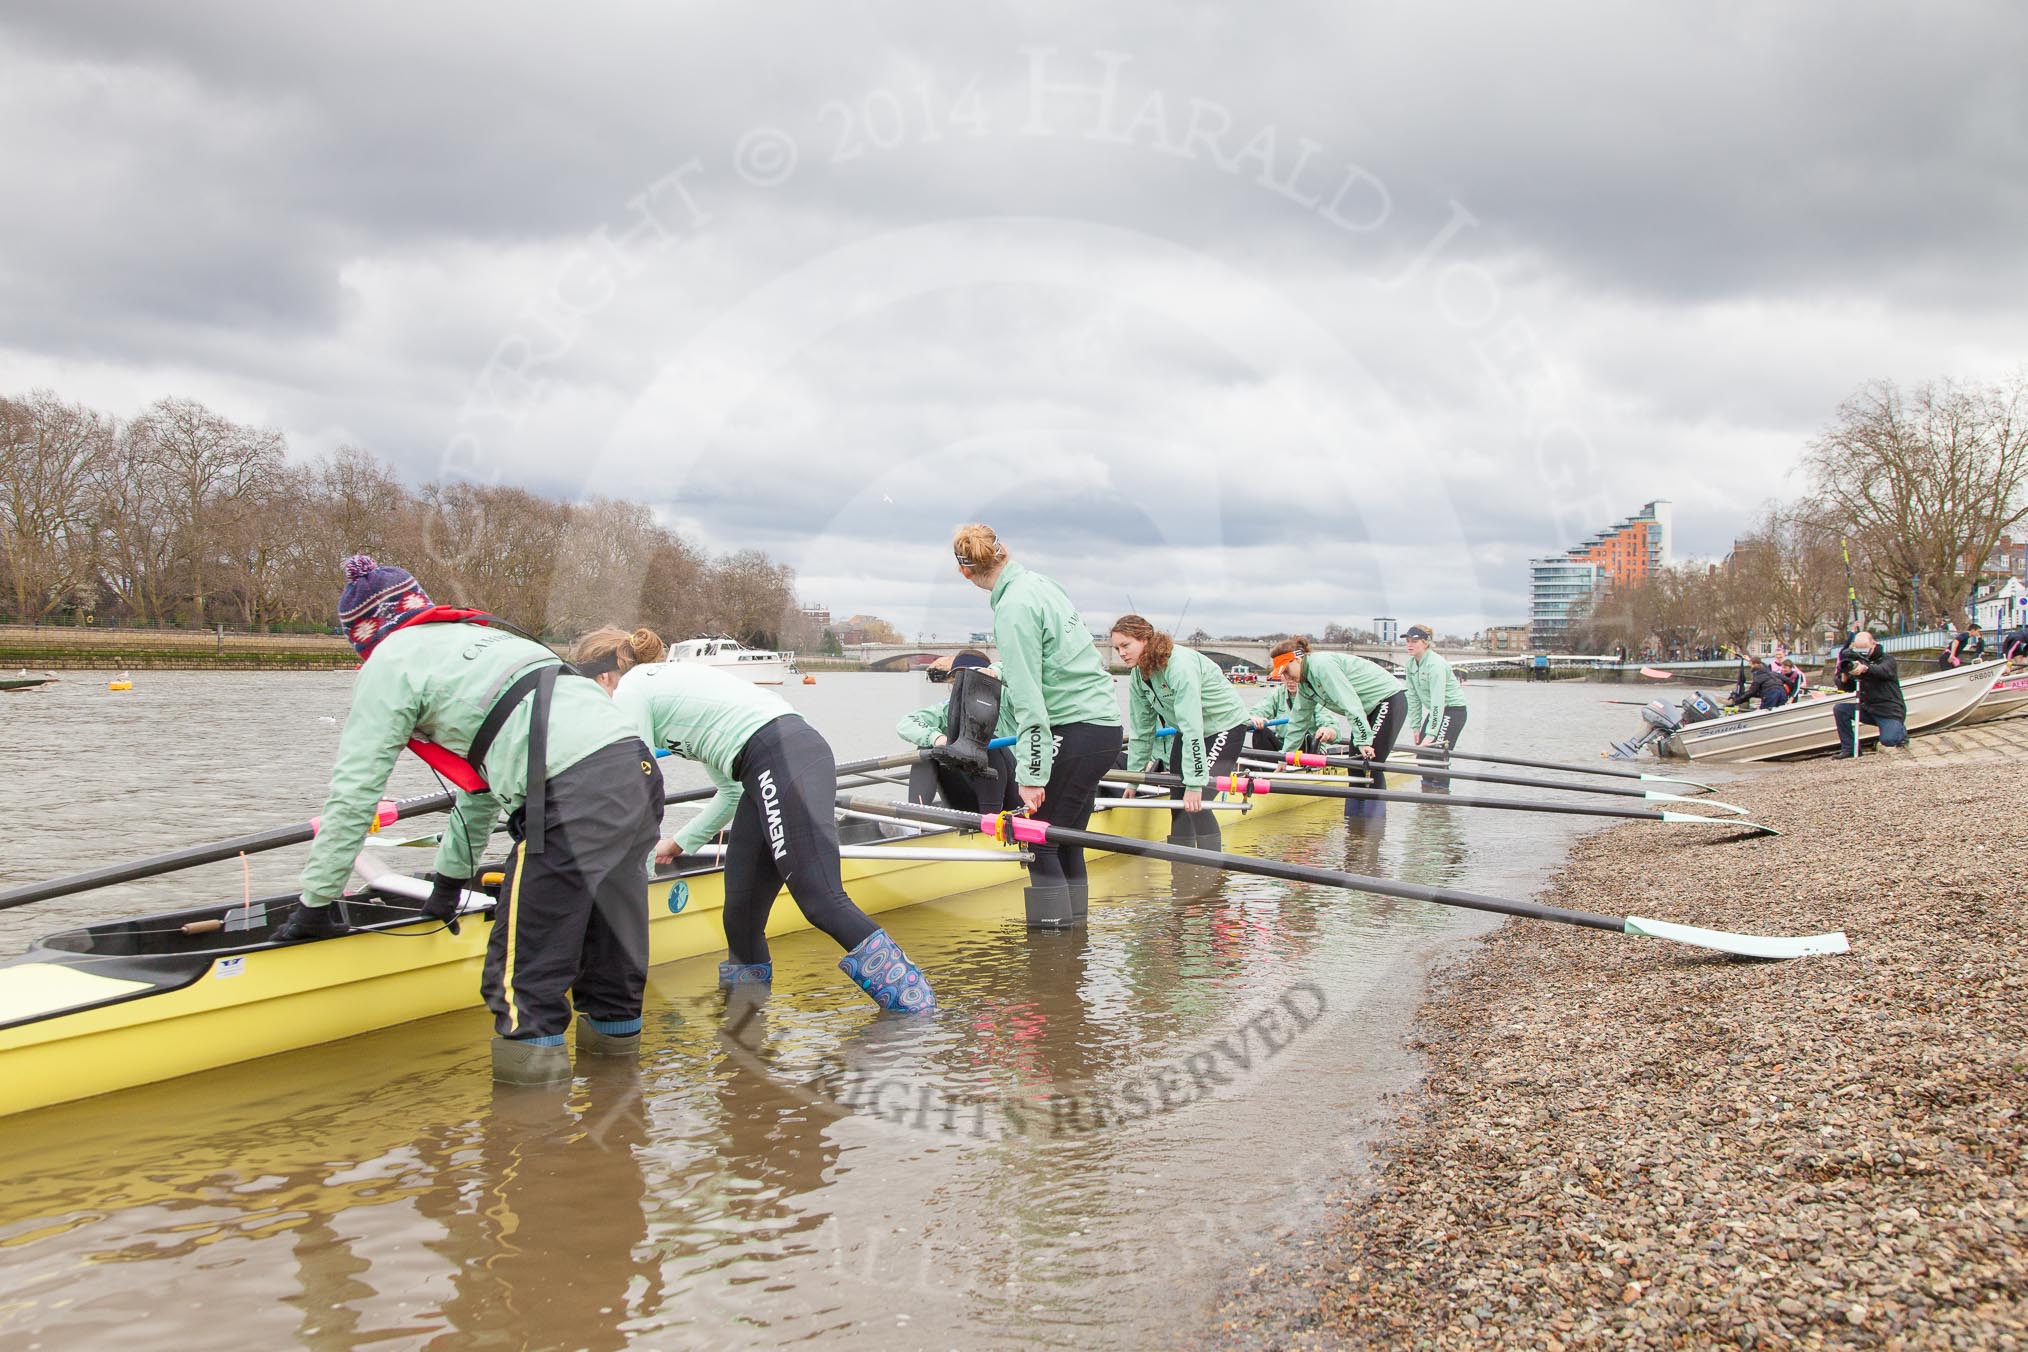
[[376, 599]]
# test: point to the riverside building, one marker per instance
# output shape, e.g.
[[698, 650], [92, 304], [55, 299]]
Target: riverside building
[[1562, 586]]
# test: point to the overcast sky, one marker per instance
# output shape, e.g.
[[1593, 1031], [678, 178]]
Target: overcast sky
[[1281, 314]]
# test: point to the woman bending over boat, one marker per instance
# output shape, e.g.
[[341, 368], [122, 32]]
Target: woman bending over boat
[[1370, 697], [1060, 698], [496, 714], [777, 785], [1183, 689], [963, 769]]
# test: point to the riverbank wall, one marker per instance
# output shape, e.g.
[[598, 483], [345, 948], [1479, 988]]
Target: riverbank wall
[[1625, 1142]]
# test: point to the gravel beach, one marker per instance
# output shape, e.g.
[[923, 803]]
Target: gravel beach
[[1625, 1142]]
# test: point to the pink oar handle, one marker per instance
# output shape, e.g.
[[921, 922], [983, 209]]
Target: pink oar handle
[[387, 814], [1025, 830], [1242, 784], [1304, 759]]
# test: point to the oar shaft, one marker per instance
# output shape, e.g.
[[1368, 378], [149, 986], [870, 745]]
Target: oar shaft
[[274, 838], [1034, 831], [1263, 784], [1427, 772], [1438, 754]]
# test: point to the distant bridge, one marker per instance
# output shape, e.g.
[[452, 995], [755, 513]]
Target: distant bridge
[[910, 656]]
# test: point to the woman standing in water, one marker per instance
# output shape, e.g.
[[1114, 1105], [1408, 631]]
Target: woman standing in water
[[1436, 701], [497, 715], [1182, 689], [1060, 701], [1366, 693], [777, 785]]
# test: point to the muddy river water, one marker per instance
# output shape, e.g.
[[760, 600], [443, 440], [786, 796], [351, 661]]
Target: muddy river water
[[1093, 1131]]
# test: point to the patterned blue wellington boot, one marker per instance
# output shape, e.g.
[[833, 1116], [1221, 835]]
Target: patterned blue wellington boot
[[884, 972], [732, 974]]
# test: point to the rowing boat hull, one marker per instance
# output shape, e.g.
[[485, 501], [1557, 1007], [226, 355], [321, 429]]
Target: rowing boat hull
[[2009, 696], [74, 1024], [1938, 700]]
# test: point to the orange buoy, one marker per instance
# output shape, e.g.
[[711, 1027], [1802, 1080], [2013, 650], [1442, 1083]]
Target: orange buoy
[[809, 680]]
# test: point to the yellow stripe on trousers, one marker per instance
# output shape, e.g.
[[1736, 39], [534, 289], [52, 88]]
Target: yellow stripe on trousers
[[513, 928]]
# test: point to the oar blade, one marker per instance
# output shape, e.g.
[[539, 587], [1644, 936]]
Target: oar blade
[[1676, 779], [1655, 797], [1775, 947], [1692, 819]]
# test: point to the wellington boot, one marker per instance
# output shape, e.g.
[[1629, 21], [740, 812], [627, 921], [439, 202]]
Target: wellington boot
[[732, 974], [972, 715], [884, 972], [1197, 830], [1049, 906], [594, 1043], [1080, 902], [519, 1062]]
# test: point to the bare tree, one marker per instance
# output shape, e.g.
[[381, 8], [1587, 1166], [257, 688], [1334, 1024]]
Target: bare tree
[[752, 597], [134, 525], [49, 451], [216, 467], [1925, 483]]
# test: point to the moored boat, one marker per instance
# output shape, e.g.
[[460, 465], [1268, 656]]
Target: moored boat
[[762, 666], [2008, 696], [1807, 728], [110, 1006], [9, 684]]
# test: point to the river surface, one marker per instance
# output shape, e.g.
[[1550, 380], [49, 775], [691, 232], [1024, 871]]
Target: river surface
[[1092, 1132]]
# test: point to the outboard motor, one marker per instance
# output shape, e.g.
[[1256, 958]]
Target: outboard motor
[[1700, 708], [1660, 721]]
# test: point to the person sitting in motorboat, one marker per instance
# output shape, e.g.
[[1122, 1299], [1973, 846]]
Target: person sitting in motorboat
[[1966, 646], [777, 785], [1762, 683], [499, 716], [955, 773]]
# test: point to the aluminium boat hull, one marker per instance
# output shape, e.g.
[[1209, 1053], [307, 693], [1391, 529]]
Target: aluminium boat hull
[[1935, 701]]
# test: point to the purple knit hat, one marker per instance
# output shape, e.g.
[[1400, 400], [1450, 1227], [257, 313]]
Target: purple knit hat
[[375, 601]]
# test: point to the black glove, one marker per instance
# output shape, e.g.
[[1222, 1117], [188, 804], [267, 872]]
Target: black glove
[[444, 899], [311, 922]]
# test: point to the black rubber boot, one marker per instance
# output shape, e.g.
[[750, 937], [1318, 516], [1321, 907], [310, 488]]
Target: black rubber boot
[[1049, 907], [1208, 835], [973, 714], [1080, 902], [518, 1062]]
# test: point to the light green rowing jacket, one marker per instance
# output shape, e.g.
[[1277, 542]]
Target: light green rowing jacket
[[1342, 683], [1432, 686], [1191, 695], [1050, 670], [702, 715], [438, 682]]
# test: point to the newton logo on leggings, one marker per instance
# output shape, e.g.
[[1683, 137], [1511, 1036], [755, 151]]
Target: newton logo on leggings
[[771, 804]]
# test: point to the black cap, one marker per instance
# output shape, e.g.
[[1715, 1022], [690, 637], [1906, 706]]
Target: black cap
[[1420, 631]]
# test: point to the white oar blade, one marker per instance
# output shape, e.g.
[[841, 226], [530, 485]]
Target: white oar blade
[[1744, 945], [1655, 797], [1692, 819], [1671, 779]]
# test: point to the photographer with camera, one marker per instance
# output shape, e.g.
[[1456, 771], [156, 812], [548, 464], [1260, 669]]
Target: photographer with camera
[[1864, 666]]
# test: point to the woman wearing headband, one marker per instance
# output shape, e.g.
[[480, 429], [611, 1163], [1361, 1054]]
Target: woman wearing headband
[[1059, 698], [1366, 693]]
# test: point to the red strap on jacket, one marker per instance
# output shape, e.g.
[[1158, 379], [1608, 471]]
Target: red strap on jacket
[[460, 772]]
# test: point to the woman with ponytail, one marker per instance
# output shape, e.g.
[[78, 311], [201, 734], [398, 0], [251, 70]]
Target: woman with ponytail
[[1370, 697], [497, 715], [1179, 688], [777, 785], [1060, 702]]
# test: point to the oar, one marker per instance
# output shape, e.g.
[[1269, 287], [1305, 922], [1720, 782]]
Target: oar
[[1034, 831], [1439, 753], [1517, 781], [999, 742], [274, 838], [1306, 786], [280, 837]]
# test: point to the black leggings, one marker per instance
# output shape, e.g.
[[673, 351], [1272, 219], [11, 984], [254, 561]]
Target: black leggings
[[1386, 718], [571, 926], [1084, 752], [786, 832], [1221, 750]]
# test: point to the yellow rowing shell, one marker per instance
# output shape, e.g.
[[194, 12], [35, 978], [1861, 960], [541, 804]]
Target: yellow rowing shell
[[129, 1003]]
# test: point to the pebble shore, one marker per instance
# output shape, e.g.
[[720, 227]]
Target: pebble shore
[[1624, 1142]]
